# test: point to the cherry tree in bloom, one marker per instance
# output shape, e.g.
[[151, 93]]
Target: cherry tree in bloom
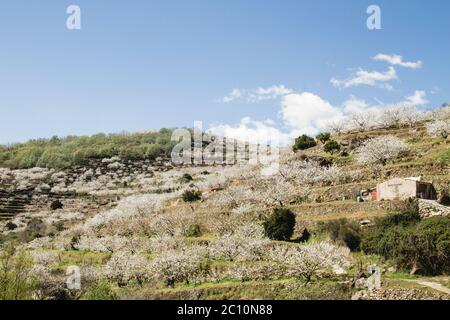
[[112, 243], [337, 126], [439, 128], [399, 115], [277, 190], [161, 243], [130, 207], [182, 265], [381, 150], [312, 259], [410, 116], [234, 196], [125, 266], [246, 243], [260, 271], [362, 121], [311, 173]]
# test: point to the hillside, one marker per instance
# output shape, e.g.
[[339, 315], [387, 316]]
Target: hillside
[[139, 227]]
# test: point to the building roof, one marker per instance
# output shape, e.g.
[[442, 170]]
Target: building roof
[[416, 179]]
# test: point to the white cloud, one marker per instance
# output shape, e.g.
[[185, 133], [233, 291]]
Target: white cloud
[[355, 105], [235, 94], [419, 98], [256, 95], [253, 131], [307, 113], [396, 59], [369, 78], [301, 112]]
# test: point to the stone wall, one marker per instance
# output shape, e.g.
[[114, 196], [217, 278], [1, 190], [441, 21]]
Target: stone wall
[[397, 294], [430, 208]]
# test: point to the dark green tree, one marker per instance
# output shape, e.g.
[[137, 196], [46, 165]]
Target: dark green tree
[[304, 142], [280, 224], [191, 195], [323, 137], [331, 146]]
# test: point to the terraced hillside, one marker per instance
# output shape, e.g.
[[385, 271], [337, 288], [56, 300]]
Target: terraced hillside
[[146, 229]]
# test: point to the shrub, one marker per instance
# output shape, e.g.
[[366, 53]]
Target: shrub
[[420, 245], [11, 226], [305, 235], [408, 215], [304, 142], [154, 151], [54, 157], [16, 281], [59, 225], [445, 198], [323, 137], [193, 230], [55, 205], [101, 291], [343, 232], [429, 244], [280, 224], [331, 146], [191, 195], [186, 178]]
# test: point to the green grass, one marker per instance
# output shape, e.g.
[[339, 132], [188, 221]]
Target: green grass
[[444, 157], [9, 237], [400, 275], [68, 258]]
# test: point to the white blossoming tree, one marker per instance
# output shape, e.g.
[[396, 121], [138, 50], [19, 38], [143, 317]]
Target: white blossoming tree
[[410, 116], [178, 265], [246, 243], [125, 266], [361, 121], [439, 128], [337, 126], [312, 259], [381, 150]]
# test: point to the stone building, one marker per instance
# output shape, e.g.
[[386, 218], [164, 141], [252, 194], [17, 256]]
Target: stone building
[[404, 188]]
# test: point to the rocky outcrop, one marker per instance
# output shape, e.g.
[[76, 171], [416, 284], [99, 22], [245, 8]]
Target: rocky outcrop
[[430, 208]]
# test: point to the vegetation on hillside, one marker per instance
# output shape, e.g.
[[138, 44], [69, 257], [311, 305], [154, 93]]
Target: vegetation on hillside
[[77, 150], [422, 246], [304, 142]]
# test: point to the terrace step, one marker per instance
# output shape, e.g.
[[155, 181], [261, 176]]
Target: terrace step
[[13, 203]]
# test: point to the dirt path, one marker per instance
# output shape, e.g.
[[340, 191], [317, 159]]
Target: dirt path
[[434, 285]]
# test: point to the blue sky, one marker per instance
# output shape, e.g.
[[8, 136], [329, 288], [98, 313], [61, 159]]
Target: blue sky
[[140, 65]]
